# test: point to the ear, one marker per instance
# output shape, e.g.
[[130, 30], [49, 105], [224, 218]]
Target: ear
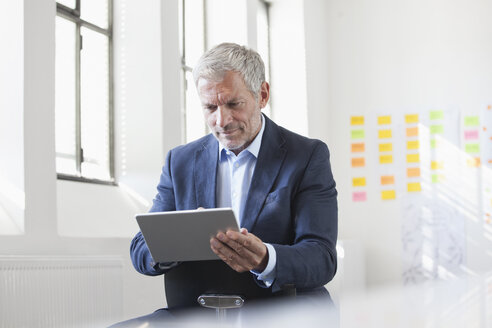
[[264, 94]]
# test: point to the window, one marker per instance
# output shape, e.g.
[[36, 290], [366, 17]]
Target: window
[[83, 100], [204, 24]]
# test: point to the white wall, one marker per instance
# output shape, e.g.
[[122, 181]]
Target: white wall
[[391, 57]]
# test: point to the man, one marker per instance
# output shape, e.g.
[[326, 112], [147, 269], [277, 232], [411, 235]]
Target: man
[[278, 183]]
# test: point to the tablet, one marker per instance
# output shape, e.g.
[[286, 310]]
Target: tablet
[[184, 235]]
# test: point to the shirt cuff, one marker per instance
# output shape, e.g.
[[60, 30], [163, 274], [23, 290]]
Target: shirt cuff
[[269, 274]]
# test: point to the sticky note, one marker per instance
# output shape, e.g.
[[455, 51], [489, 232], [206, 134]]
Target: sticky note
[[359, 196], [384, 120], [358, 182], [472, 121], [413, 132], [473, 162], [384, 134], [385, 159], [413, 172], [414, 144], [437, 129], [413, 118], [472, 148], [358, 147], [414, 186], [387, 179], [385, 147], [413, 158], [471, 134], [358, 134], [436, 165], [435, 178], [435, 143], [358, 162], [388, 194], [357, 120], [436, 115]]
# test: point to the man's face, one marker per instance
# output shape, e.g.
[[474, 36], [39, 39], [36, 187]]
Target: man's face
[[231, 111]]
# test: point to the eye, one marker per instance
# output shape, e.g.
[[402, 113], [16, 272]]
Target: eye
[[210, 108], [234, 104]]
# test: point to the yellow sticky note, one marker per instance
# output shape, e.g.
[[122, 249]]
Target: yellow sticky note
[[358, 147], [436, 165], [384, 119], [385, 147], [414, 144], [413, 132], [413, 158], [413, 172], [386, 159], [358, 182], [412, 118], [387, 179], [384, 134], [358, 162], [357, 120], [414, 186], [388, 194]]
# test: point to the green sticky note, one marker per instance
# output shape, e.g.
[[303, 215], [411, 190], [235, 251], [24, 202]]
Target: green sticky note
[[436, 114], [437, 129], [433, 143], [472, 148], [358, 134], [472, 121], [435, 178]]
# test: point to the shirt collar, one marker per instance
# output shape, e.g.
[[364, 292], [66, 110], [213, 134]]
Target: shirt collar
[[254, 147]]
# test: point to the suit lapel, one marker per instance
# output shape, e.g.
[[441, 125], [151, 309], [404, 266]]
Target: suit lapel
[[205, 172], [270, 159]]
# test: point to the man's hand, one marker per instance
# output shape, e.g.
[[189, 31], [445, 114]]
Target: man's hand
[[242, 251]]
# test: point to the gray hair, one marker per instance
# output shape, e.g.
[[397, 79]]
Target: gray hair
[[226, 57]]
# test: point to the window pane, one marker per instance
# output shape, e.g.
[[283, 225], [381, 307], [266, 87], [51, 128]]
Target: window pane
[[263, 43], [194, 31], [195, 125], [95, 105], [95, 12], [65, 96], [68, 3]]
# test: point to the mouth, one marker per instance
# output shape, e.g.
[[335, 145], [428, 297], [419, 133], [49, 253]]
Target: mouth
[[227, 132]]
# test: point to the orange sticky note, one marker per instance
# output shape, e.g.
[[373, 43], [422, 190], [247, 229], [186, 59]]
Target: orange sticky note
[[384, 120], [359, 182], [388, 194], [414, 186], [473, 162], [358, 162], [357, 120], [387, 179], [358, 147], [413, 132], [435, 165], [384, 134], [414, 144], [413, 172], [385, 147], [385, 159], [413, 158], [412, 118]]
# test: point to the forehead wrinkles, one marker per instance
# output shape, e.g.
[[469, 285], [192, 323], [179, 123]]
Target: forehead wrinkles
[[216, 95]]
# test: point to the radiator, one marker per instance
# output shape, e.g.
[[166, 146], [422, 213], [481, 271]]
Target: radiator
[[60, 291]]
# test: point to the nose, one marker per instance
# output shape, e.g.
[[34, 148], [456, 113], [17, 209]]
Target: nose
[[223, 116]]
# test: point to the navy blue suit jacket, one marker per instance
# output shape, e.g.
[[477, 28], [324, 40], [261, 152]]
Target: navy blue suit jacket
[[291, 204]]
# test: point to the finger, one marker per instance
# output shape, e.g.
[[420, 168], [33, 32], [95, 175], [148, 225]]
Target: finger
[[200, 208], [248, 258], [244, 231], [249, 241], [228, 255]]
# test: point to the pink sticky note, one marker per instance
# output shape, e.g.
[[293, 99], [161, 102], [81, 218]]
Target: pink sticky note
[[359, 196], [471, 134]]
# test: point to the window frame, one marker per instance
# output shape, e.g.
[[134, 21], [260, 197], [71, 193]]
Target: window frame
[[73, 15]]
